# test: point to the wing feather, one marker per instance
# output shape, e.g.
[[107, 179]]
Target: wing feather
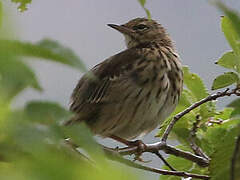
[[91, 91]]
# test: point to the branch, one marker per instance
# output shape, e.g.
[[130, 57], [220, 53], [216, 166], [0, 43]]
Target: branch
[[164, 161], [212, 97], [196, 149], [113, 155], [153, 148], [200, 158]]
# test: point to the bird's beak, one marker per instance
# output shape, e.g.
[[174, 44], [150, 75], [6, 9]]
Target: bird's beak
[[122, 29]]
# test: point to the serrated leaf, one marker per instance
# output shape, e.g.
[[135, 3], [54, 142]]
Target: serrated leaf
[[195, 84], [232, 15], [225, 80], [230, 60], [46, 112], [22, 4], [15, 76], [222, 138], [231, 35], [46, 49]]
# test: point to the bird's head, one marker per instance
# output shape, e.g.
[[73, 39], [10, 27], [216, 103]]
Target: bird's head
[[142, 30]]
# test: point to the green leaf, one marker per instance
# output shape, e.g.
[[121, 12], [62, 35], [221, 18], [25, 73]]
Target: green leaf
[[232, 15], [230, 60], [4, 110], [22, 4], [46, 49], [225, 80], [148, 13], [182, 165], [15, 76], [142, 3], [231, 35], [236, 165], [236, 105], [80, 134], [46, 112], [194, 83], [222, 137], [225, 114]]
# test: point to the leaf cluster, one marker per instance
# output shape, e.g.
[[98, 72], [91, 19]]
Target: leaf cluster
[[32, 138], [217, 131]]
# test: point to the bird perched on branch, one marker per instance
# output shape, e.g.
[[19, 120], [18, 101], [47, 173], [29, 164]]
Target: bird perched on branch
[[133, 91]]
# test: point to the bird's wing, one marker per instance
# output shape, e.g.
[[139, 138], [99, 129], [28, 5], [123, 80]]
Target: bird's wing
[[92, 91]]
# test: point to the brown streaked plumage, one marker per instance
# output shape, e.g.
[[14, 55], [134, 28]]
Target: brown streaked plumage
[[134, 90]]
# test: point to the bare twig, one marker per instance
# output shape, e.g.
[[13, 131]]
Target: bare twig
[[236, 155], [164, 161], [196, 149], [113, 155], [152, 148], [197, 104]]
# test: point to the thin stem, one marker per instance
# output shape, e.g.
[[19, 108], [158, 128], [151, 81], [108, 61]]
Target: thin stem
[[196, 149], [152, 148], [195, 105], [115, 157], [164, 161]]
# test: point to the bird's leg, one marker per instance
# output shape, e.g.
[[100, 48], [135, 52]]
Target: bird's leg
[[137, 143], [127, 142]]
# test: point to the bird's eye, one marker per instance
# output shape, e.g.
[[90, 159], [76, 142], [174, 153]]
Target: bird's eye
[[140, 27]]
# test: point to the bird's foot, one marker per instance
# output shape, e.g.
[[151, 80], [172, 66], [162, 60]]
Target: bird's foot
[[138, 144]]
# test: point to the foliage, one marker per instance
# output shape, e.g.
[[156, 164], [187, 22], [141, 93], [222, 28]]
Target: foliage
[[32, 137], [217, 140], [46, 49], [142, 3], [230, 60], [22, 4]]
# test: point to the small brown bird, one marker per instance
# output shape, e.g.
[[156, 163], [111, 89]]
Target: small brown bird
[[134, 90]]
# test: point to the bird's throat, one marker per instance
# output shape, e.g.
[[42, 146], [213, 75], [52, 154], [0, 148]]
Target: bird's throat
[[130, 42]]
